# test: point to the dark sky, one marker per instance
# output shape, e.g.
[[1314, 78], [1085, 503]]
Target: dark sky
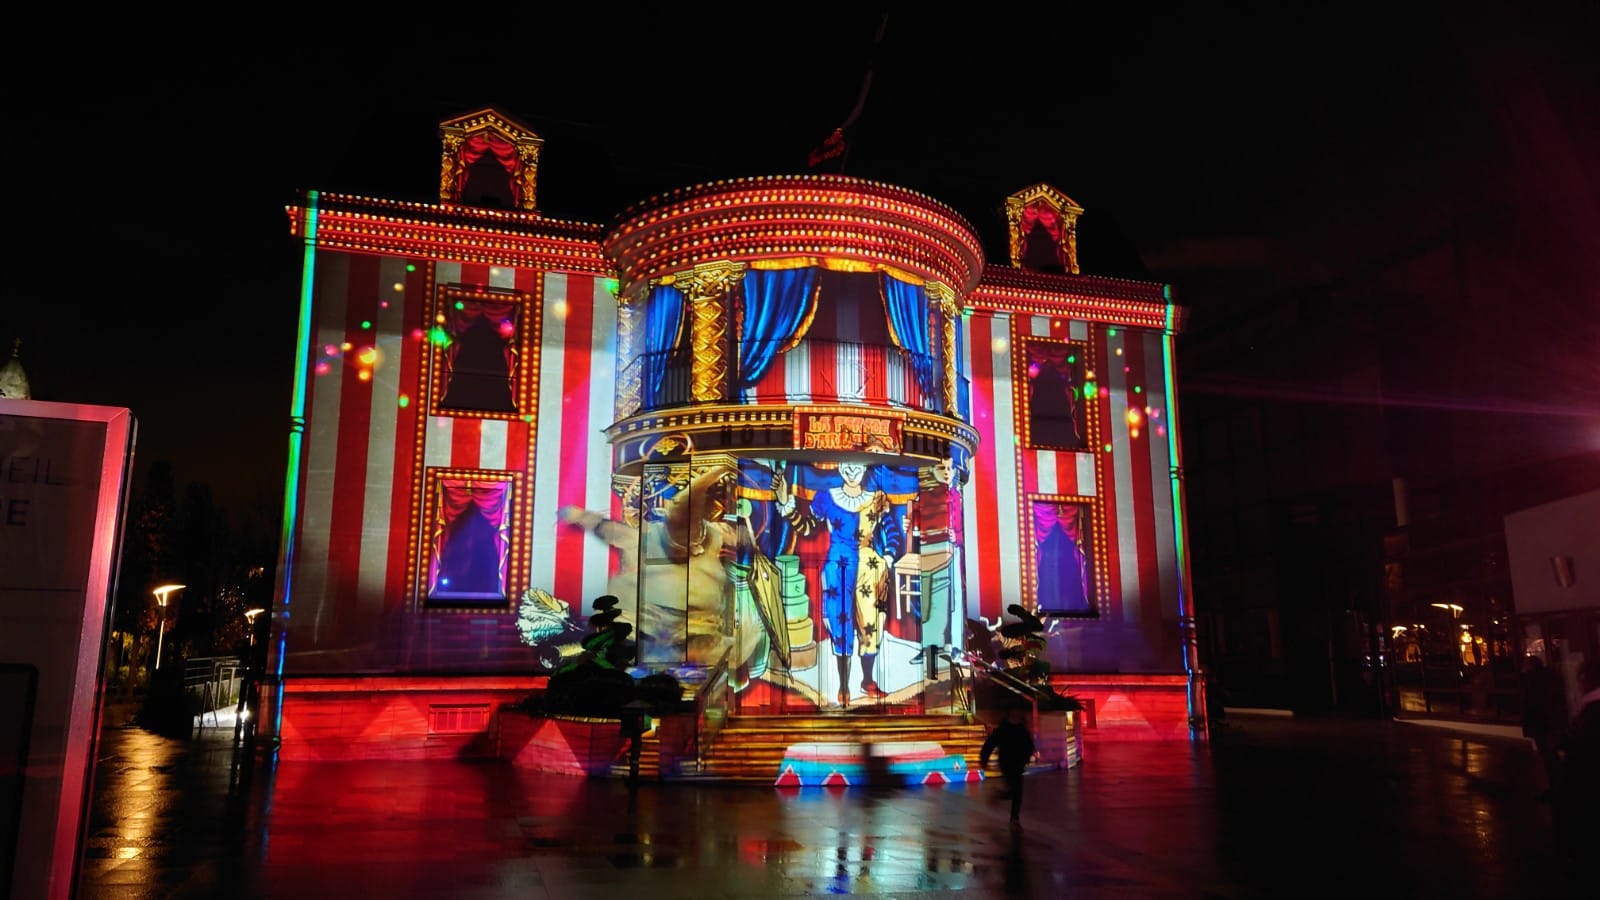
[[1240, 154]]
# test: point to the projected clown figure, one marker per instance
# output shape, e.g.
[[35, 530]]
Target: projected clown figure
[[865, 538]]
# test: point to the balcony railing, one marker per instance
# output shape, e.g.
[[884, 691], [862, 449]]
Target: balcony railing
[[813, 372]]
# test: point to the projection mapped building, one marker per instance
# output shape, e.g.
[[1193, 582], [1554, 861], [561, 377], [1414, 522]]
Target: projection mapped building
[[813, 442]]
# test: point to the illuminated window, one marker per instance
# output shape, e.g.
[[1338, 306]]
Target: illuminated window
[[1057, 408], [477, 337], [1062, 553], [469, 539]]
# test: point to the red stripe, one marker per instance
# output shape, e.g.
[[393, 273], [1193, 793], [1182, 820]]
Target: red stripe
[[1106, 472], [986, 509], [1143, 498], [407, 422], [573, 477], [824, 373], [476, 274], [466, 439], [771, 388], [875, 372], [1067, 473], [355, 420]]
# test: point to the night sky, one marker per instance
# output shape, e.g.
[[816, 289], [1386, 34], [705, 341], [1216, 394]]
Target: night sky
[[1241, 156]]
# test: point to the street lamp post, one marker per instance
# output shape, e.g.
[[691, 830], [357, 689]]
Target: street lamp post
[[162, 593], [250, 616]]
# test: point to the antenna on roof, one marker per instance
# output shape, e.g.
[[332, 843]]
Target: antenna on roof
[[834, 146]]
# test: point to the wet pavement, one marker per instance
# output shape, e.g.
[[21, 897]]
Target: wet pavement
[[1271, 807]]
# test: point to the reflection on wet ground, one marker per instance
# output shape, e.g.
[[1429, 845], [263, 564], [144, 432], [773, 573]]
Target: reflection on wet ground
[[1270, 808]]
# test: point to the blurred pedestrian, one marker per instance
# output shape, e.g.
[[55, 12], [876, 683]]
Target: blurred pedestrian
[[1575, 806], [1544, 715], [1012, 743]]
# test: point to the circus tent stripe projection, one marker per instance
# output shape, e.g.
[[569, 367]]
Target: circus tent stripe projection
[[358, 551]]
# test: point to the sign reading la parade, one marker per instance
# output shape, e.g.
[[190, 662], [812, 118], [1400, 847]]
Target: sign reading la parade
[[834, 429]]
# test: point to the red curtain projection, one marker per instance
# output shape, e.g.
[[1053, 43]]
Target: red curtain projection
[[1059, 536], [471, 540], [505, 153], [1054, 413], [475, 364], [1049, 219]]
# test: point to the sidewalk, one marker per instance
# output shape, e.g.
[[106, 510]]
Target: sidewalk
[[1273, 807]]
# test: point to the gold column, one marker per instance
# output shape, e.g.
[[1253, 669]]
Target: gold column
[[705, 289], [450, 168], [528, 176], [949, 310]]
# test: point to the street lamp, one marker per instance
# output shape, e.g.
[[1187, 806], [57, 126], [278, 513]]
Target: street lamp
[[162, 593], [250, 616]]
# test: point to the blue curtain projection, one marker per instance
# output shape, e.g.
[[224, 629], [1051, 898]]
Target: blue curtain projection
[[778, 307], [663, 328], [963, 395], [907, 306]]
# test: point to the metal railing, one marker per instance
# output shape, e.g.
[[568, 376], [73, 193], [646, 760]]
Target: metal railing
[[811, 372]]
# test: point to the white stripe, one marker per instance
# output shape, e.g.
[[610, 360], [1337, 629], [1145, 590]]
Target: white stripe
[[1086, 485], [1039, 326], [1078, 330], [602, 393], [1114, 380], [547, 448], [377, 503], [1044, 462], [1161, 481], [310, 601], [492, 444], [851, 373], [1007, 538], [502, 277], [447, 273], [797, 374], [436, 442]]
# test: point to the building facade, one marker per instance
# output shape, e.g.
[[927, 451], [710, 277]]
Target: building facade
[[814, 443]]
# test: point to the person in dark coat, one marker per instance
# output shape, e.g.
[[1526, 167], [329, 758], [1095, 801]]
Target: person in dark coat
[[1544, 715], [1575, 804], [1012, 743]]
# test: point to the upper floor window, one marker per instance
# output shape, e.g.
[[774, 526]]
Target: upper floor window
[[1057, 408], [478, 337]]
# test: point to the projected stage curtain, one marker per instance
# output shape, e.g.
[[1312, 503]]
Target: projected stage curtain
[[458, 500], [907, 308], [778, 307], [503, 316], [663, 328], [505, 153], [1063, 568]]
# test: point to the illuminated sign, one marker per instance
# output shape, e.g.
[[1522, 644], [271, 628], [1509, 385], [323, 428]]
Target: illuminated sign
[[842, 429]]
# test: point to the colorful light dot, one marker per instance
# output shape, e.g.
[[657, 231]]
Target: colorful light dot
[[368, 356], [404, 401], [383, 304], [460, 305], [1137, 389], [366, 324], [507, 329], [1119, 351], [1108, 448], [400, 286], [559, 309], [1111, 332], [331, 350], [323, 368], [438, 336], [346, 346], [1072, 359], [1089, 389], [1000, 345], [364, 374], [410, 267]]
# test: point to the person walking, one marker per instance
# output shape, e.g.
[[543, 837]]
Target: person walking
[[1544, 716], [1012, 743], [1575, 806]]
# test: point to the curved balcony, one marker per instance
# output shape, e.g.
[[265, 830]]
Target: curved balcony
[[812, 372]]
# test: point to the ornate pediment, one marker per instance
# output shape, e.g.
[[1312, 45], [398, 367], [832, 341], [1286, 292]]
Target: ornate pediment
[[1040, 213], [503, 145]]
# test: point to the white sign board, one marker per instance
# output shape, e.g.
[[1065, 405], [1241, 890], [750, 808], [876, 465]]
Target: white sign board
[[63, 471]]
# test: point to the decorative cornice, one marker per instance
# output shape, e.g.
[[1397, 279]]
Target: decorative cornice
[[1112, 301], [828, 216], [450, 233]]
